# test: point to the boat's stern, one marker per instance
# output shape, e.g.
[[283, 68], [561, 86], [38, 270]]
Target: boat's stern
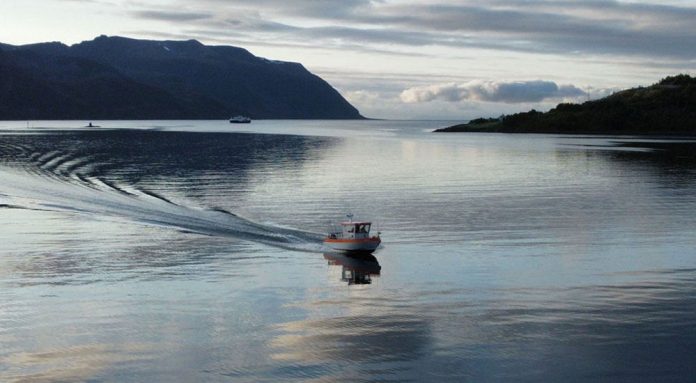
[[353, 245]]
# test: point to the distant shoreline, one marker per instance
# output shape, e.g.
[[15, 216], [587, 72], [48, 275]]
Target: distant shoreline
[[463, 128], [663, 109]]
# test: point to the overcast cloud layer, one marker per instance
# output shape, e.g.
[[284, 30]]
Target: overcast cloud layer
[[401, 59], [642, 29]]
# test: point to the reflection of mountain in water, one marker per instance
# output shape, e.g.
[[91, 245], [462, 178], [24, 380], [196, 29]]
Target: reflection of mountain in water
[[357, 269], [137, 156], [152, 177], [669, 162]]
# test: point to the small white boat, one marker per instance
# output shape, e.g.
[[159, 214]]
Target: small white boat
[[240, 120], [352, 236]]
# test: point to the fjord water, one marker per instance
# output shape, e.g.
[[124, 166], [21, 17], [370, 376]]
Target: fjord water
[[191, 251]]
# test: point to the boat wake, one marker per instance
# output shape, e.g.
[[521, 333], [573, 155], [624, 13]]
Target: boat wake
[[65, 182]]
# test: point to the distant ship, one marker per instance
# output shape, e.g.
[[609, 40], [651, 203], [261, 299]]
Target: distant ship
[[240, 120]]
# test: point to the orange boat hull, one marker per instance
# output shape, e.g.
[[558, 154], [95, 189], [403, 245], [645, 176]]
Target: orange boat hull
[[358, 245]]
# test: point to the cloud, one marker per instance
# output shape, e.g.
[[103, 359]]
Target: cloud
[[361, 96], [325, 9], [596, 27], [492, 91], [602, 27], [171, 16]]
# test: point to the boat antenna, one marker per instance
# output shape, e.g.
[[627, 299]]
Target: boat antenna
[[350, 217]]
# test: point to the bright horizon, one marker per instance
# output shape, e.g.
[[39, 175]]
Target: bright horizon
[[407, 59]]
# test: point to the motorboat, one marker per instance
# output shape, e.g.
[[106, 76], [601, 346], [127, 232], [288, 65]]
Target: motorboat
[[352, 236], [240, 120]]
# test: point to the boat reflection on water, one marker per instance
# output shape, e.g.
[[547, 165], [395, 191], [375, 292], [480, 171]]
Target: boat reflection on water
[[357, 269]]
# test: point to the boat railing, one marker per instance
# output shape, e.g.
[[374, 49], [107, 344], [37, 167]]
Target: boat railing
[[339, 232], [335, 232]]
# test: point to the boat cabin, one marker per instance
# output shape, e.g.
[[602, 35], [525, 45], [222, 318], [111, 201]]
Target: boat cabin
[[353, 230], [352, 236]]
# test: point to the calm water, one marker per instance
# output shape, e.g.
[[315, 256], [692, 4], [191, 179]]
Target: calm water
[[191, 251]]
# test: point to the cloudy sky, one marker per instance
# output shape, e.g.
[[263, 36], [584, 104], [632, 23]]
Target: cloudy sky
[[430, 59]]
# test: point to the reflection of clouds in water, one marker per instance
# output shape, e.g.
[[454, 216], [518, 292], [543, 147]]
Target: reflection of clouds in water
[[638, 329], [366, 334], [640, 326], [77, 363], [365, 339]]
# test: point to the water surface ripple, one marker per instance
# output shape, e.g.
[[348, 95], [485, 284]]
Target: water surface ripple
[[190, 251]]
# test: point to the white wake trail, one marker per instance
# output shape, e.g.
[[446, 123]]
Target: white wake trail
[[31, 190]]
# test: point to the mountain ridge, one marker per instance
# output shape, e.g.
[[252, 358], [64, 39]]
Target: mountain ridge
[[153, 79]]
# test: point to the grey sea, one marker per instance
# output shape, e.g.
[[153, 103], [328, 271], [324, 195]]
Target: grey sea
[[187, 251]]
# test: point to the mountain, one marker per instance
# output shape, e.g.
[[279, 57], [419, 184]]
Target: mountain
[[122, 78], [665, 108]]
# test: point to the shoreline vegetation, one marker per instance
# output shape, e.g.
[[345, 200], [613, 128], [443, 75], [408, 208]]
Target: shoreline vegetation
[[667, 108]]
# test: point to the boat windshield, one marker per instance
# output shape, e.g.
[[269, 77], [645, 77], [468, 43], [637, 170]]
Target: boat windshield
[[362, 228]]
